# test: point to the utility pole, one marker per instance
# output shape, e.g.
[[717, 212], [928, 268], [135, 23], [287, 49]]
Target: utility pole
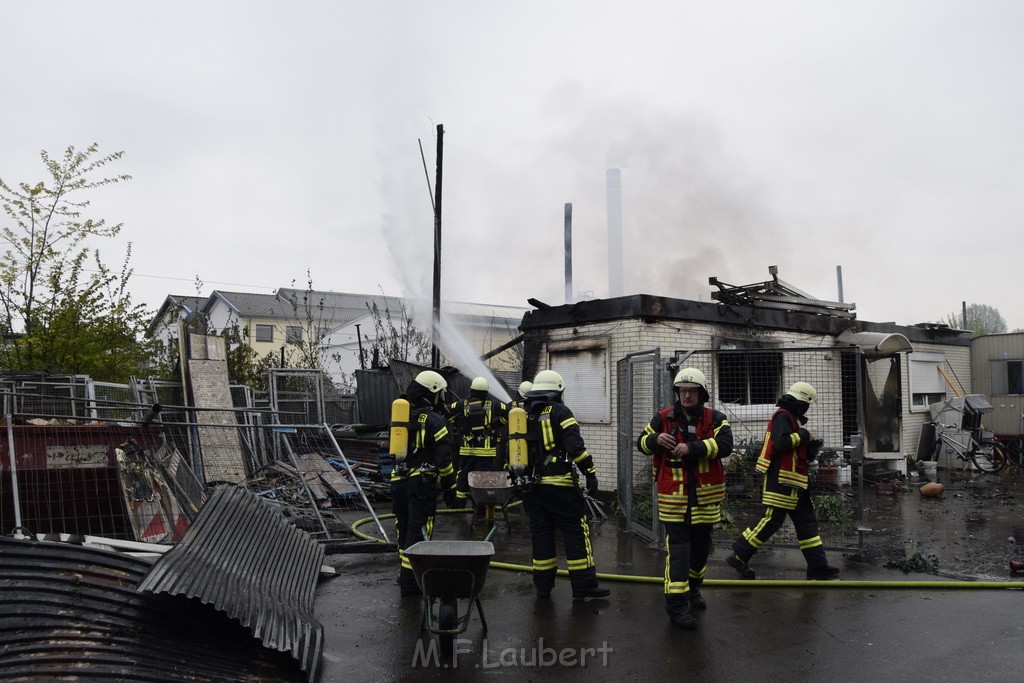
[[435, 356]]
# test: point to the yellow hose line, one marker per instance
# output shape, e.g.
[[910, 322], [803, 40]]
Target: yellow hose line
[[738, 583]]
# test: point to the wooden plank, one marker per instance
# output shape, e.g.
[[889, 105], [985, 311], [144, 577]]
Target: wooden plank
[[332, 478]]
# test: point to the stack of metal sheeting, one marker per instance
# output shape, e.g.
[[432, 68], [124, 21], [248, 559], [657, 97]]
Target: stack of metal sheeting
[[243, 558], [68, 611]]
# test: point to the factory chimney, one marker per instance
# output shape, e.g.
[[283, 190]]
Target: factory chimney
[[614, 179], [568, 252]]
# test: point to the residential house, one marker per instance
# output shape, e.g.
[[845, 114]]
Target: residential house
[[175, 308], [274, 323]]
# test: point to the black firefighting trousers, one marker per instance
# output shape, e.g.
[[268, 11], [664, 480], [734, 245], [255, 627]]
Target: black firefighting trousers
[[561, 508], [688, 548], [805, 522], [414, 502]]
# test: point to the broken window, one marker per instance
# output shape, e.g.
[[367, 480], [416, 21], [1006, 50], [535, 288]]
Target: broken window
[[1007, 377], [264, 333], [749, 377]]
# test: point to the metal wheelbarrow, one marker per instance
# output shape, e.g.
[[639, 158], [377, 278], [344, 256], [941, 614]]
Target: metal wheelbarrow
[[447, 572], [490, 488]]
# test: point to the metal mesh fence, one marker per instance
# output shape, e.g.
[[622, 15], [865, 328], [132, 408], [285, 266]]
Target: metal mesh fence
[[75, 471]]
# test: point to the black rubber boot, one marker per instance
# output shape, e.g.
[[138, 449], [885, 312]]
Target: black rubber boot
[[822, 573], [741, 567], [697, 600], [683, 620], [595, 592]]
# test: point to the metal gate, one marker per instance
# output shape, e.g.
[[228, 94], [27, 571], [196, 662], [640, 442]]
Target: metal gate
[[642, 391]]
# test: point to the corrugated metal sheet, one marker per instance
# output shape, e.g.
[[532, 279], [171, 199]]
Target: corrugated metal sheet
[[243, 558], [71, 612]]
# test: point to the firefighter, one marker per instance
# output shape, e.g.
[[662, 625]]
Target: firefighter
[[426, 468], [687, 441], [552, 496], [479, 422], [520, 399], [783, 460]]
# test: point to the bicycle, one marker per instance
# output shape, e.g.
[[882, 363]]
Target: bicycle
[[1015, 446], [987, 454]]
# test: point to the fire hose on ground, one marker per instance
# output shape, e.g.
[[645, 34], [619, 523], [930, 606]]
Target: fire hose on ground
[[732, 583]]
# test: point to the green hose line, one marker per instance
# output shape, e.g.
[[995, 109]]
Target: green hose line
[[738, 583]]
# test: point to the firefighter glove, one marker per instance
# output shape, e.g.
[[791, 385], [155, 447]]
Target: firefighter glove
[[592, 484], [813, 447]]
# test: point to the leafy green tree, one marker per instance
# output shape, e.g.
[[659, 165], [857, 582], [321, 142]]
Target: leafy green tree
[[55, 315], [981, 319]]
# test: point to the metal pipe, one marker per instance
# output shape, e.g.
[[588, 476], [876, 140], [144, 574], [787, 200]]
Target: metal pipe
[[355, 482], [359, 340], [14, 476]]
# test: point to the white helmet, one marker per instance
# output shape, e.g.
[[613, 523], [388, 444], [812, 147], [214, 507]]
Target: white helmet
[[548, 380], [802, 391], [479, 384], [525, 388], [691, 377], [433, 381]]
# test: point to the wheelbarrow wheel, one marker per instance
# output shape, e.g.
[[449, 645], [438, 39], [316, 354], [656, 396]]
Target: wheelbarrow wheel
[[447, 616]]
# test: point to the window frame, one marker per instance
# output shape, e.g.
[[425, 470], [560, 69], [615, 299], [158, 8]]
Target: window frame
[[746, 356], [924, 389], [263, 327]]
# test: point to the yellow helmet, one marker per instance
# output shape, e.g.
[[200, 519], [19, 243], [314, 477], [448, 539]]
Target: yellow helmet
[[525, 388], [433, 381], [691, 377], [548, 380], [802, 391], [479, 384]]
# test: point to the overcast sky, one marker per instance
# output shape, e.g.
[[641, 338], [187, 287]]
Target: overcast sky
[[267, 138]]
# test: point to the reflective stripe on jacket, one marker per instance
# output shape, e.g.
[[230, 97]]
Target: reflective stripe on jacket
[[783, 457]]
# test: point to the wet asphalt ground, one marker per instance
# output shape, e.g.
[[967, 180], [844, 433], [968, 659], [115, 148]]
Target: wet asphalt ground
[[834, 631]]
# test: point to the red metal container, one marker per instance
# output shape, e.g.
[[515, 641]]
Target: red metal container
[[68, 477]]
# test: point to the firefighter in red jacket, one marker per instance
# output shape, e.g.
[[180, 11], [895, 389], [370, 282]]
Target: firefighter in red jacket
[[783, 460], [687, 441], [426, 470]]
